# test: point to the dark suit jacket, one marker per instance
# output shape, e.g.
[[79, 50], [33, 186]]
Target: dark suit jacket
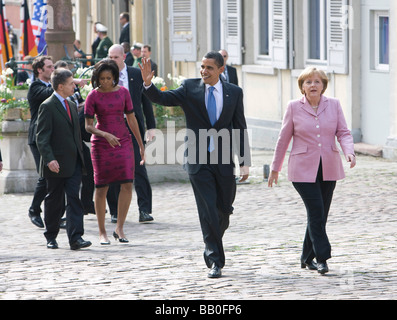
[[125, 34], [38, 92], [129, 59], [58, 138], [232, 72], [143, 108], [191, 97]]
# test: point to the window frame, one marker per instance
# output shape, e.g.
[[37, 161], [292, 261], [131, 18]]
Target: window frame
[[375, 34]]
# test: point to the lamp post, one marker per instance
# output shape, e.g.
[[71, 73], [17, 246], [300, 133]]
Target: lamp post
[[60, 35]]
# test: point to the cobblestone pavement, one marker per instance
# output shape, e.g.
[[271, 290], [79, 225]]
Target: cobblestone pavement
[[163, 260]]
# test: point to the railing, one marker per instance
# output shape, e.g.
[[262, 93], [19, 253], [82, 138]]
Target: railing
[[76, 62]]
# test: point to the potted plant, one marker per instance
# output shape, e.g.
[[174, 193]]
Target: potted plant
[[13, 99]]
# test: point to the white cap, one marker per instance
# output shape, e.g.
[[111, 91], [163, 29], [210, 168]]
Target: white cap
[[101, 28]]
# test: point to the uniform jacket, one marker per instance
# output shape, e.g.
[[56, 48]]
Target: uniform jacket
[[314, 138]]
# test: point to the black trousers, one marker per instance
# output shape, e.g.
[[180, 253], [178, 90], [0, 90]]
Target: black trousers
[[54, 206], [87, 183], [317, 198], [40, 190], [142, 186], [214, 196]]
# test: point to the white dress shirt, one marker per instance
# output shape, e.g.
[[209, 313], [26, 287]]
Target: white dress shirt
[[124, 77]]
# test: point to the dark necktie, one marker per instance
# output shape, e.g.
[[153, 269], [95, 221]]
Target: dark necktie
[[68, 109]]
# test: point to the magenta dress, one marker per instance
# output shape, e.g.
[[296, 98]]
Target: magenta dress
[[111, 164]]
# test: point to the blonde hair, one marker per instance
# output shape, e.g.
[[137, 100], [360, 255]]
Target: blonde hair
[[309, 72]]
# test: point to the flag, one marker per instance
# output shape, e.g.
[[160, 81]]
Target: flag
[[39, 23], [29, 47], [5, 45]]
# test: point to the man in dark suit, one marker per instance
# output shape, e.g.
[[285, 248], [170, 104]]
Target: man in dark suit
[[39, 91], [215, 108], [58, 139], [129, 58], [230, 73], [125, 31], [146, 53], [131, 79]]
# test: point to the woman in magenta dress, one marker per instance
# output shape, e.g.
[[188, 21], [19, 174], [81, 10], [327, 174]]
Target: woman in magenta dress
[[112, 150]]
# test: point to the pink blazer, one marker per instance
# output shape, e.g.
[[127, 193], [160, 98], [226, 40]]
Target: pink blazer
[[313, 138]]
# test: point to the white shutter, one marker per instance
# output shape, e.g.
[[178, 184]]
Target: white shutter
[[278, 18], [183, 35], [337, 34], [231, 29]]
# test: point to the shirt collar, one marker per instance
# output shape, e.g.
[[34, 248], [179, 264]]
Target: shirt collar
[[46, 83], [218, 86], [62, 99]]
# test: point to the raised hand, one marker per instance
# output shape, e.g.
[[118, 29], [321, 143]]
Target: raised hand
[[146, 70]]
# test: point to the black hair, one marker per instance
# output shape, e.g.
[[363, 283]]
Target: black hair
[[219, 61], [105, 65]]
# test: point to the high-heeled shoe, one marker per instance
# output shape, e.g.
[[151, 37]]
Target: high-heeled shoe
[[104, 242], [122, 240]]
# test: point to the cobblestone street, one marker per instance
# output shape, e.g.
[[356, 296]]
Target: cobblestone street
[[163, 260]]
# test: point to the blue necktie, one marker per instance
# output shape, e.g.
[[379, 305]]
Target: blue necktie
[[211, 108]]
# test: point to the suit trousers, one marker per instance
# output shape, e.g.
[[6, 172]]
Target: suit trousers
[[40, 190], [214, 196], [54, 206], [88, 185], [317, 198]]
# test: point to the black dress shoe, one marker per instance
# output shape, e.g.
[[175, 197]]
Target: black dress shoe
[[215, 272], [322, 267], [311, 265], [52, 244], [145, 217], [36, 220], [80, 244], [113, 218]]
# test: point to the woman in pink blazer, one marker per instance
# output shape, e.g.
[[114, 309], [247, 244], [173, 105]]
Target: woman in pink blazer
[[315, 163]]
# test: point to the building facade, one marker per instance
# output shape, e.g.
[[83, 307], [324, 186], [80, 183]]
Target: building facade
[[270, 42]]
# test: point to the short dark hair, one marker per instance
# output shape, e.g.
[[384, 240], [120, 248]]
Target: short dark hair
[[39, 63], [60, 76], [126, 16], [105, 65], [148, 47], [219, 61], [60, 64]]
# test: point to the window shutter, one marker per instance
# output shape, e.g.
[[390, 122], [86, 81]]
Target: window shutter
[[279, 33], [183, 35], [337, 35], [231, 29]]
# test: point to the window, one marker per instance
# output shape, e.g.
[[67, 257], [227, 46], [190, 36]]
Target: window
[[317, 30], [264, 27], [326, 43], [381, 38], [216, 25]]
